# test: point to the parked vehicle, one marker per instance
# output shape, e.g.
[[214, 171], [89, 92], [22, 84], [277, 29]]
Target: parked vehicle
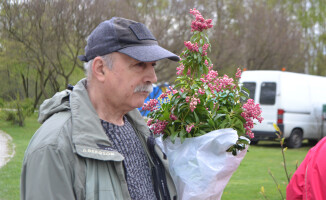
[[293, 101]]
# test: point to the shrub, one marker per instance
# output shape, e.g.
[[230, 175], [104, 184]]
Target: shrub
[[17, 110]]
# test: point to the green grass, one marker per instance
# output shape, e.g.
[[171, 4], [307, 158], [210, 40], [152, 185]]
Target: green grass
[[245, 183], [10, 173], [252, 173]]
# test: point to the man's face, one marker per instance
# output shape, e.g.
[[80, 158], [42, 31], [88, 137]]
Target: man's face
[[129, 82]]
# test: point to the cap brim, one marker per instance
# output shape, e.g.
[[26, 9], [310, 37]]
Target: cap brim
[[149, 53], [82, 58]]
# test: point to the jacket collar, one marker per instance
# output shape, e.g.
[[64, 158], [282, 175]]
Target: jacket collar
[[88, 135]]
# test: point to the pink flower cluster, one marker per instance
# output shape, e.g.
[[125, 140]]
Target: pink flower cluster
[[217, 84], [157, 127], [205, 47], [199, 24], [192, 47], [189, 127], [226, 82], [168, 92], [251, 111], [238, 74], [151, 105], [214, 83], [193, 102], [163, 95], [171, 91], [201, 91], [180, 69], [210, 76], [173, 117]]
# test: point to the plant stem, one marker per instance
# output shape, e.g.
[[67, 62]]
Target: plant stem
[[283, 154], [265, 196], [285, 169], [276, 183]]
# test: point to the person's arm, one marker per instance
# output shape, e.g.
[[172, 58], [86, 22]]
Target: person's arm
[[46, 174], [316, 172], [295, 189]]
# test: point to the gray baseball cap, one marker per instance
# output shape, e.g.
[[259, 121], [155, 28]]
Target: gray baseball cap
[[127, 37]]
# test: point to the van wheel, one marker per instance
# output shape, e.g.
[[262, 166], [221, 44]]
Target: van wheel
[[254, 142], [295, 139], [312, 142]]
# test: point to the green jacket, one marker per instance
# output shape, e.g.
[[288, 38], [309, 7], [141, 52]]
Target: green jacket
[[66, 159]]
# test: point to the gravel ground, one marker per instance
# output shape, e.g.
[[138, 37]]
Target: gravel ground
[[6, 152]]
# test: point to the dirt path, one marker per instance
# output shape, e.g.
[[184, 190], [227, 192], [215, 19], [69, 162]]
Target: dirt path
[[7, 149]]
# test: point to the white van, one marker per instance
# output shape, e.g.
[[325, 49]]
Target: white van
[[291, 100]]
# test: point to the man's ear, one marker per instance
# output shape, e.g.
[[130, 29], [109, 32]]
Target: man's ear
[[99, 69]]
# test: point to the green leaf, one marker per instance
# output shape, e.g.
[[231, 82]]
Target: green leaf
[[205, 70], [201, 70], [196, 117], [182, 135], [165, 116], [180, 85], [173, 133], [176, 121], [246, 90], [194, 38], [206, 38], [218, 116], [188, 120], [224, 109], [202, 132], [228, 117], [200, 50], [201, 110], [238, 123], [276, 127], [182, 106], [211, 123], [224, 124], [242, 141], [165, 136], [199, 58]]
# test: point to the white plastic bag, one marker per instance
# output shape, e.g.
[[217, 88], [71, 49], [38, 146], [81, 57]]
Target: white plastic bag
[[200, 166]]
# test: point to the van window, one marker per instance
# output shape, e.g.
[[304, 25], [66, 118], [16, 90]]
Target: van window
[[251, 86], [267, 93]]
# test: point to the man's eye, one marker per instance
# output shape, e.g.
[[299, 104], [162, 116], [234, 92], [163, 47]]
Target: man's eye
[[141, 64]]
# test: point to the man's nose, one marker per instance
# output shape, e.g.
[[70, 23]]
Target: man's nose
[[150, 74]]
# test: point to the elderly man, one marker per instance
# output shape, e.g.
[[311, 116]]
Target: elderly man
[[93, 143]]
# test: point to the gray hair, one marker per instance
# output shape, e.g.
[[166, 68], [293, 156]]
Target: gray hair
[[108, 61]]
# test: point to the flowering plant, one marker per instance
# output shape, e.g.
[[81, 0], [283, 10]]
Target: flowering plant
[[201, 101]]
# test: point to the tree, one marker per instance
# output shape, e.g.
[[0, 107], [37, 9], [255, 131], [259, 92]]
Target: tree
[[311, 14], [271, 40], [41, 39], [52, 34]]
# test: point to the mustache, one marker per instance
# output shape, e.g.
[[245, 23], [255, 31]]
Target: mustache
[[144, 88]]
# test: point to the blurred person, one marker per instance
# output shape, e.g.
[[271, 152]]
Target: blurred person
[[309, 180], [93, 142]]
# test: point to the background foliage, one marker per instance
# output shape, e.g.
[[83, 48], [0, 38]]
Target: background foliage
[[40, 39], [245, 183]]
